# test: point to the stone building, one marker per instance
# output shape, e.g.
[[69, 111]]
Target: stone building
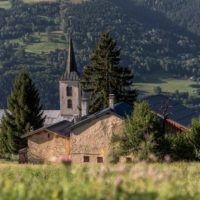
[[82, 141], [73, 133]]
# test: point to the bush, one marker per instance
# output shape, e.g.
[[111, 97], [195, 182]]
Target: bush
[[157, 90], [141, 132], [186, 145]]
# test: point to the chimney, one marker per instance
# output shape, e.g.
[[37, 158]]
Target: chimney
[[76, 118], [84, 106], [111, 101]]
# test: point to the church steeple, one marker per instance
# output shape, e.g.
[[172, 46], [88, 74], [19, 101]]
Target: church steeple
[[71, 71], [71, 62], [70, 87]]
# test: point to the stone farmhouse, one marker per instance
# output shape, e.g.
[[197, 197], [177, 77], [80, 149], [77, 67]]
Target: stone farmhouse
[[73, 133]]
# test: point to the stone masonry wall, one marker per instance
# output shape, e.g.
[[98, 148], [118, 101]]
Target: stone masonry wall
[[94, 138], [76, 98], [47, 146]]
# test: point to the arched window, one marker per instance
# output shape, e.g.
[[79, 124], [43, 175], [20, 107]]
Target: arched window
[[69, 91], [69, 103]]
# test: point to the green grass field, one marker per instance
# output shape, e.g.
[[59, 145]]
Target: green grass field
[[121, 182], [42, 43], [5, 4], [37, 1], [168, 85]]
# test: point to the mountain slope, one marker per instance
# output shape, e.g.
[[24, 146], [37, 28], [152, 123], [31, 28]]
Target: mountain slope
[[182, 12], [149, 40]]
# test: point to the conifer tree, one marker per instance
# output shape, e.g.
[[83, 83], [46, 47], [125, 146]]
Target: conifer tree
[[104, 75], [23, 114]]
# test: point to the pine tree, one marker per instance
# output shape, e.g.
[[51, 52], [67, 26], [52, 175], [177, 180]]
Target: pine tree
[[141, 133], [104, 75], [23, 114]]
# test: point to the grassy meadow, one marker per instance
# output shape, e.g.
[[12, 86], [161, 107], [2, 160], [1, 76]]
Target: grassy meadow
[[77, 182], [5, 4], [167, 83]]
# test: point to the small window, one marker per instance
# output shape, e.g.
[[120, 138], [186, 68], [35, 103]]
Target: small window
[[116, 159], [99, 159], [86, 159], [69, 103], [48, 135], [128, 160], [69, 91]]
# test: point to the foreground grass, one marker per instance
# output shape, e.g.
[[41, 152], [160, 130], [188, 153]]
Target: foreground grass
[[137, 181]]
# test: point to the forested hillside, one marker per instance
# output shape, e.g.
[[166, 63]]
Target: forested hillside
[[35, 35], [183, 12]]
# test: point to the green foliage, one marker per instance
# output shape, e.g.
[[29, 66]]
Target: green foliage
[[179, 11], [157, 90], [103, 75], [186, 145], [23, 114], [141, 133]]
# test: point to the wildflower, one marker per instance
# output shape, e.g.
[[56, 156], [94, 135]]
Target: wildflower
[[66, 161], [118, 182], [167, 158], [152, 158]]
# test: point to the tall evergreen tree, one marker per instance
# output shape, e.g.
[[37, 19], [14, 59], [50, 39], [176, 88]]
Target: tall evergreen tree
[[23, 114], [104, 75]]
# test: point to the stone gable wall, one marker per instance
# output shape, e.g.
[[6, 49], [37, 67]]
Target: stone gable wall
[[46, 146], [94, 138]]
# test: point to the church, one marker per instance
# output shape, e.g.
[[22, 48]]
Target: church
[[71, 132]]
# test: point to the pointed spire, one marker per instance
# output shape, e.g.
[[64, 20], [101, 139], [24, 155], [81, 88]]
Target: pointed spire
[[71, 62], [71, 67]]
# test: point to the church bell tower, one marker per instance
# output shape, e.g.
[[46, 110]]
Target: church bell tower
[[70, 88]]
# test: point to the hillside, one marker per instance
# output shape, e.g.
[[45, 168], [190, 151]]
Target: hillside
[[38, 34], [182, 12]]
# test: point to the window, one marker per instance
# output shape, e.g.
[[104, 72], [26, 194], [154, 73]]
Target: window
[[69, 103], [86, 159], [48, 135], [69, 91], [128, 159], [99, 159]]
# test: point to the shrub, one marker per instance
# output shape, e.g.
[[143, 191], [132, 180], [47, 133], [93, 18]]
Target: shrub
[[140, 134], [157, 90], [186, 145]]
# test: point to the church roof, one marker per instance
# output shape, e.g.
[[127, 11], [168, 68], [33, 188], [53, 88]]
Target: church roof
[[51, 116], [71, 71]]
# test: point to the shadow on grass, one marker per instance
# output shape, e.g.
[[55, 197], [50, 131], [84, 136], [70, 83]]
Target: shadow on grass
[[152, 79], [125, 195], [182, 197], [195, 86]]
